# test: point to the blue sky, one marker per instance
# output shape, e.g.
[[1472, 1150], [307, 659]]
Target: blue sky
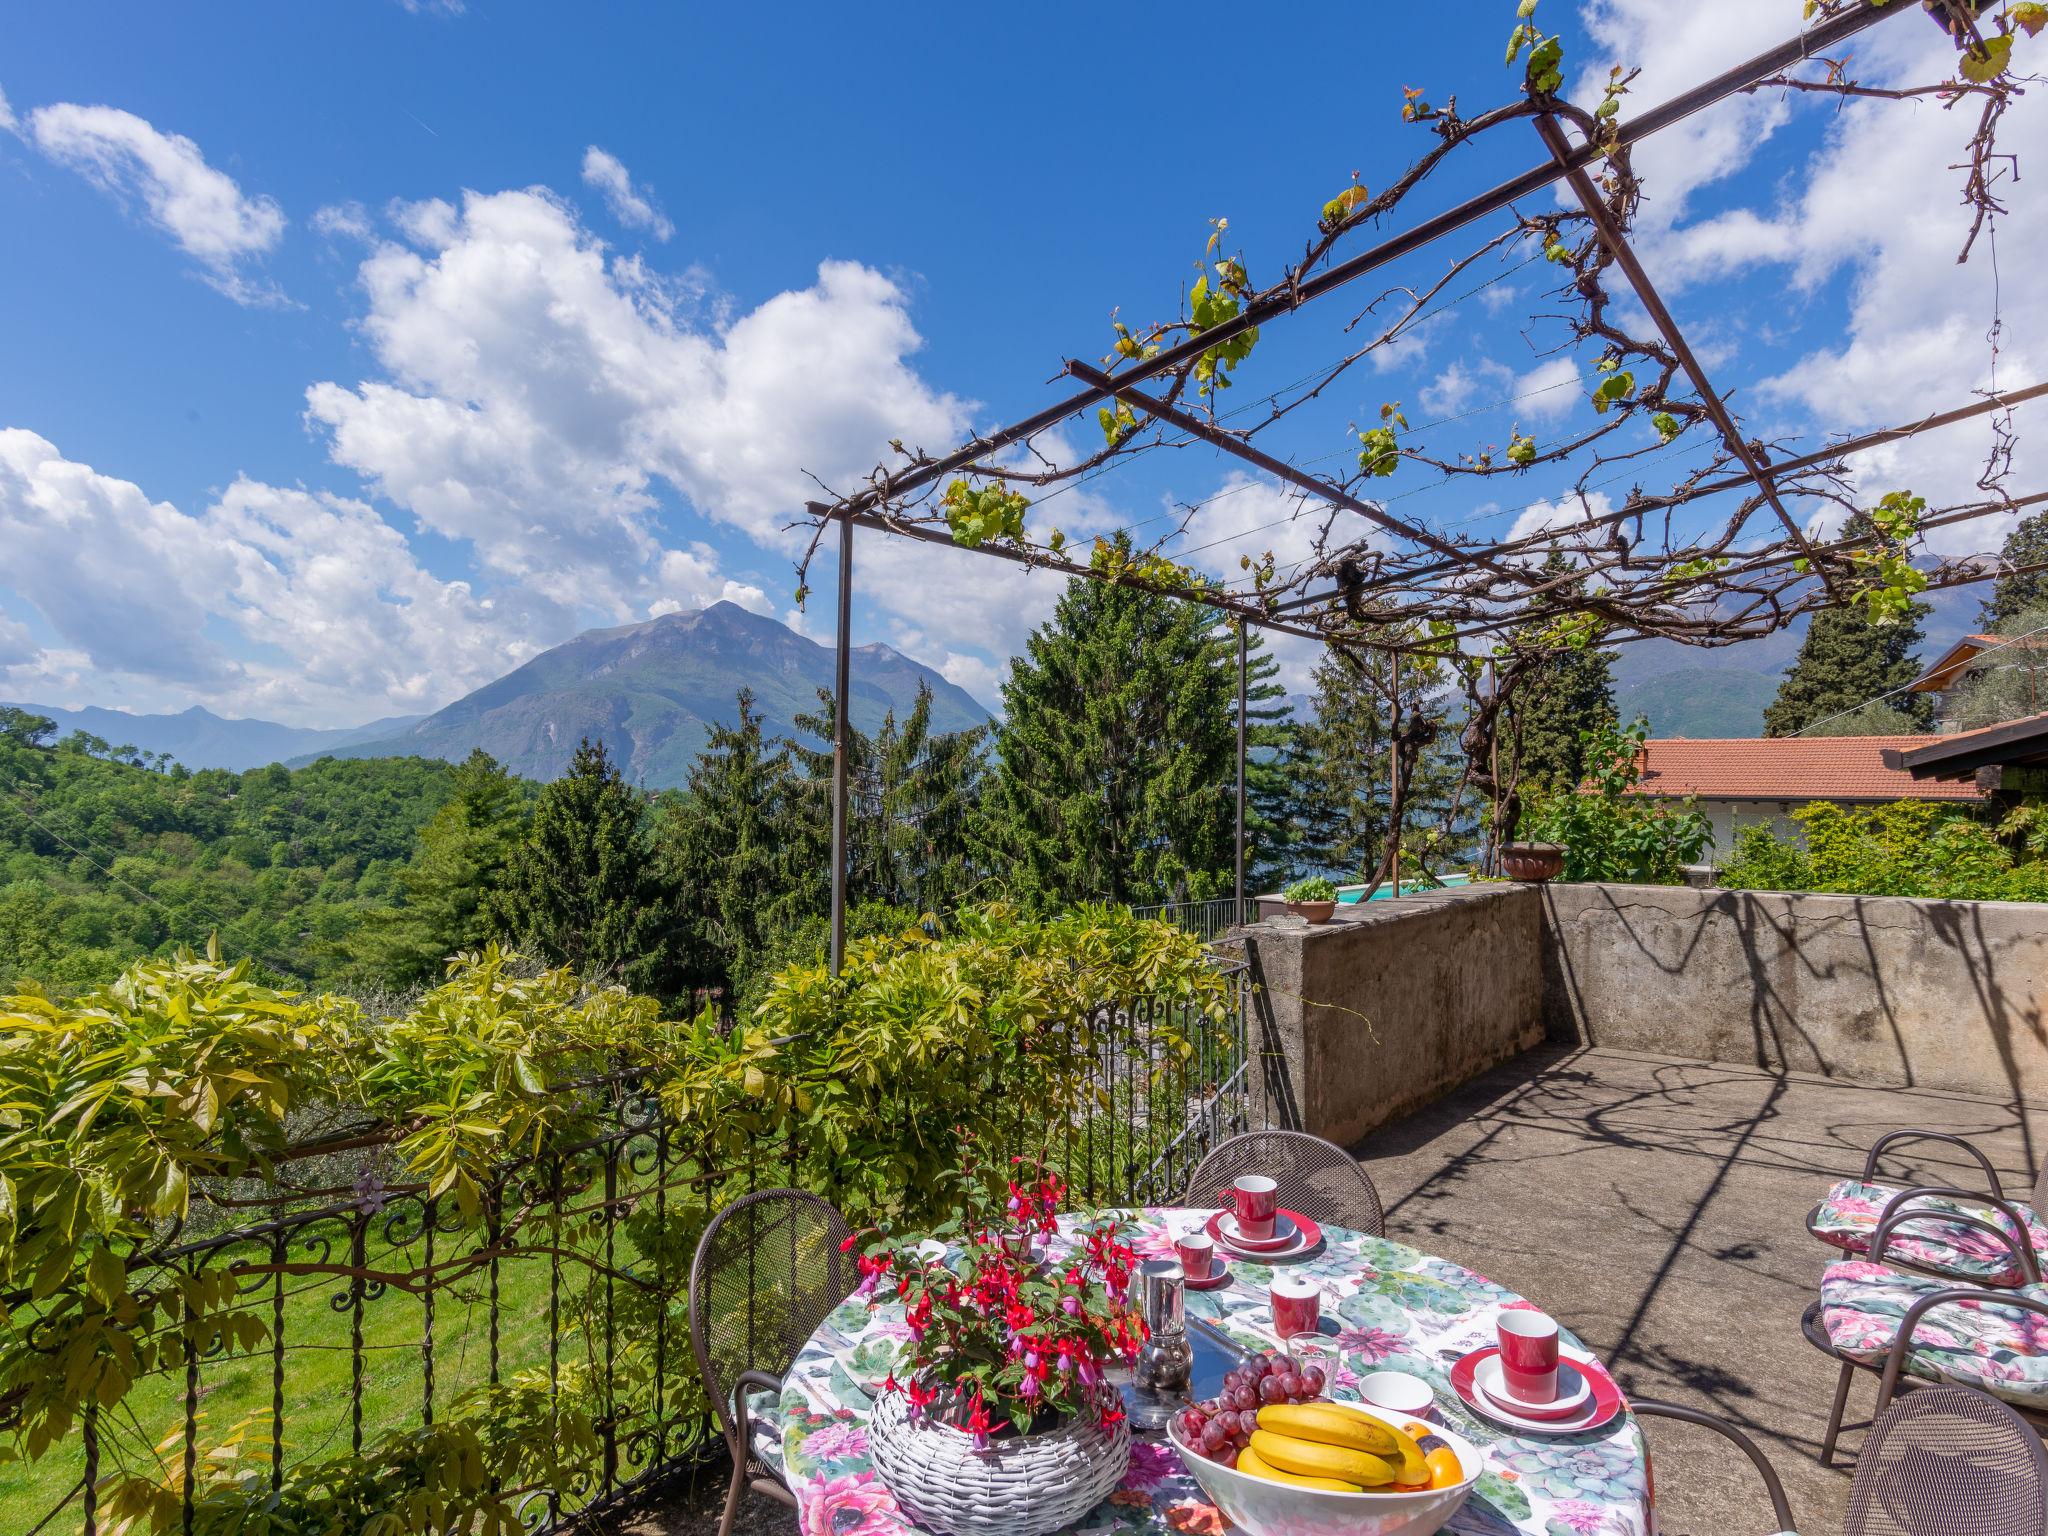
[[351, 354]]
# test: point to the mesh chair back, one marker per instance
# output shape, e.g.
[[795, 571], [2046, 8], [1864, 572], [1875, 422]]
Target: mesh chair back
[[1322, 1181], [1947, 1461], [768, 1271]]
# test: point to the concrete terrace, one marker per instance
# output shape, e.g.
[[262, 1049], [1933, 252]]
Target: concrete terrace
[[1657, 1207]]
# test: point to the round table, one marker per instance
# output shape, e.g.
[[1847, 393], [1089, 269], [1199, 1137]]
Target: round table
[[1396, 1308]]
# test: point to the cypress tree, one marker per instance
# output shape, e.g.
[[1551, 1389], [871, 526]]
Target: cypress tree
[[1844, 664], [1114, 765], [2017, 591], [581, 889], [1270, 799], [448, 889]]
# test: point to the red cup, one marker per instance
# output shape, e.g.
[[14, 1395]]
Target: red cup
[[1528, 1355], [1256, 1200], [1197, 1254], [1297, 1306]]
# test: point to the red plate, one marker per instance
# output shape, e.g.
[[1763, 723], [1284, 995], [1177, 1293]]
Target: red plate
[[1218, 1278], [1605, 1405], [1306, 1236]]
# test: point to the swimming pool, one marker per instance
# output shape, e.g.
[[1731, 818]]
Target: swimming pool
[[1350, 895]]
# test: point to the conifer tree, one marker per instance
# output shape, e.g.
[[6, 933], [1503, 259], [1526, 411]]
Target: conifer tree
[[582, 889], [738, 852], [1563, 696], [1342, 763], [1114, 770], [1269, 830], [447, 891], [2018, 591], [1843, 667], [911, 797]]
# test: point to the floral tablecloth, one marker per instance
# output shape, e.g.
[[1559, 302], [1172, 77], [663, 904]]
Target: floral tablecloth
[[1396, 1308]]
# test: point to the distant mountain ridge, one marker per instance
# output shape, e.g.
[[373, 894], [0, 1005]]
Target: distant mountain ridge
[[199, 738], [652, 692]]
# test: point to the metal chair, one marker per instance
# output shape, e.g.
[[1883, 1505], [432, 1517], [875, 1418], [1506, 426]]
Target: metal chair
[[1945, 1461], [1320, 1180], [1917, 1301], [768, 1271], [1900, 1198]]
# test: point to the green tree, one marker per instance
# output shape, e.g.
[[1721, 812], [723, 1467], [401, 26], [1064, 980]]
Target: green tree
[[1342, 765], [738, 851], [911, 801], [1114, 764], [1844, 664], [451, 892], [2018, 590], [1563, 698], [582, 889], [1269, 786], [2008, 683]]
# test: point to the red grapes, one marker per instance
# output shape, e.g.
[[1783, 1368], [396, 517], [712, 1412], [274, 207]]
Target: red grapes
[[1222, 1426]]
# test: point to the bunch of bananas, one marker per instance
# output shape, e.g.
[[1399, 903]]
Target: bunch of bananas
[[1340, 1448]]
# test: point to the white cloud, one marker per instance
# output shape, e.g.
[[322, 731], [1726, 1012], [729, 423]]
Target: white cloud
[[1545, 394], [1560, 515], [631, 206], [539, 395], [8, 122], [343, 221], [199, 207], [17, 645], [434, 7], [1457, 387], [1879, 203], [1677, 46], [981, 678], [338, 611]]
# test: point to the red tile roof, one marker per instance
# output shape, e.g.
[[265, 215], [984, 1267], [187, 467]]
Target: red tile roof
[[1790, 768]]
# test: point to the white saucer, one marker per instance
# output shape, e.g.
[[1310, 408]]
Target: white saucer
[[1286, 1235], [1573, 1392]]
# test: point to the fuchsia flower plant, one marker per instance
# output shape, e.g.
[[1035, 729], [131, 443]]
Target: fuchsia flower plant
[[996, 1340]]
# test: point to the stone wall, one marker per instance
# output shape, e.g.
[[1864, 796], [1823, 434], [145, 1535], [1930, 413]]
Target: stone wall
[[1393, 1003], [1878, 989]]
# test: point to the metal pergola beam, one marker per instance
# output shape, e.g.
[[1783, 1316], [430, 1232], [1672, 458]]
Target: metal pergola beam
[[1625, 257], [1466, 556], [1729, 82]]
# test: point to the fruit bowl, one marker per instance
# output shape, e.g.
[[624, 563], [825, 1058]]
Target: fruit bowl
[[1265, 1508]]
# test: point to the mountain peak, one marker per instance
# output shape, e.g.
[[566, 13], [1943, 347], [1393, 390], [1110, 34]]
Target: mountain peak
[[652, 691]]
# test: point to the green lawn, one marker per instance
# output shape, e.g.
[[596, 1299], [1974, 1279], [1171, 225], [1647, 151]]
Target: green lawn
[[236, 1385]]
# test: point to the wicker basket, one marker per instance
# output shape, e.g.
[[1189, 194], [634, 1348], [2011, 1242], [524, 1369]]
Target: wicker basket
[[1023, 1486]]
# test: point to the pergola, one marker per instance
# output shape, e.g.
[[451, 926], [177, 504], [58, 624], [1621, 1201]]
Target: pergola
[[1391, 583]]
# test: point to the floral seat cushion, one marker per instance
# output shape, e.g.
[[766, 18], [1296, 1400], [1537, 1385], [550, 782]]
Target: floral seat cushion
[[1997, 1349], [764, 1430], [1848, 1218]]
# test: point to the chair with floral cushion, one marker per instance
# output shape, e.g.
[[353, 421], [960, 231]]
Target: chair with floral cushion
[[769, 1269], [1875, 1318], [1316, 1178], [1943, 1462], [1958, 1234]]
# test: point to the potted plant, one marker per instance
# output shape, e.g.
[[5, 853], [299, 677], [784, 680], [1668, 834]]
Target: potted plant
[[1314, 898], [1531, 861], [998, 1414]]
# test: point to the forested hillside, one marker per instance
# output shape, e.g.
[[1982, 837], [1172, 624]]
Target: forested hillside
[[105, 855]]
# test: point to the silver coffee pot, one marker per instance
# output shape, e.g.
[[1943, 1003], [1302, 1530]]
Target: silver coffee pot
[[1165, 1363]]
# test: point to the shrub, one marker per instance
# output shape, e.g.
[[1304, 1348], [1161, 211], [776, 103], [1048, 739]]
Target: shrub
[[1609, 833], [1907, 848], [1312, 888]]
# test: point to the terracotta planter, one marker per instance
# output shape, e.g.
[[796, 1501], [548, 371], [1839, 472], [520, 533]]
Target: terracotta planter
[[1314, 911], [1531, 861]]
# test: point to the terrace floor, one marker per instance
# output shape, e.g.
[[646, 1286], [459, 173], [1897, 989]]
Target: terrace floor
[[1657, 1207]]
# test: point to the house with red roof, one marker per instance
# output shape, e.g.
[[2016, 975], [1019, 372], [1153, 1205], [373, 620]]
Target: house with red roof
[[1745, 782]]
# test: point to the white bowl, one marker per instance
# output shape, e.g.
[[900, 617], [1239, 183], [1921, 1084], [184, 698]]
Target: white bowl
[[1265, 1508]]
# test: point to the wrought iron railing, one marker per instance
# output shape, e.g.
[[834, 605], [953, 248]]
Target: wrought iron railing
[[1206, 920], [358, 1305]]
